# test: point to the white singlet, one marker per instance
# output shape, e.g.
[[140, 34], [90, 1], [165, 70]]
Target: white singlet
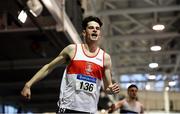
[[82, 81], [130, 109]]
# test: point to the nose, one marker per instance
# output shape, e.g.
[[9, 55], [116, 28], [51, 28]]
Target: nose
[[94, 30]]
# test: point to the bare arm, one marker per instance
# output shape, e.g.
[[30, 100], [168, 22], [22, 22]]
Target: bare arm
[[109, 87], [142, 109], [46, 69], [116, 106]]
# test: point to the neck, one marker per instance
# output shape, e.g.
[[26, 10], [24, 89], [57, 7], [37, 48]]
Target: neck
[[131, 99], [91, 47]]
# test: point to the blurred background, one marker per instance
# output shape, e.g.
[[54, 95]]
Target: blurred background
[[142, 37]]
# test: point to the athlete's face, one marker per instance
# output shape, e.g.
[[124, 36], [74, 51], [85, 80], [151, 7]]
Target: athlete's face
[[92, 31], [132, 92]]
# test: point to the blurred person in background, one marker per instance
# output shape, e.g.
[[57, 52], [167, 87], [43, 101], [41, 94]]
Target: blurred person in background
[[129, 105]]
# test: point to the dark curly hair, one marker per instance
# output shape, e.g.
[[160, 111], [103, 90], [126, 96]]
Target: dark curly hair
[[90, 18], [132, 85]]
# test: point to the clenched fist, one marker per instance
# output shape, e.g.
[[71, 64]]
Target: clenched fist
[[26, 92]]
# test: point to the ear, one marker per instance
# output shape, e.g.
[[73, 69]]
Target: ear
[[83, 33]]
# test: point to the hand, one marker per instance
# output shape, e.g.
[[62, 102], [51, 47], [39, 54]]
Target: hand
[[26, 92], [114, 88], [111, 109]]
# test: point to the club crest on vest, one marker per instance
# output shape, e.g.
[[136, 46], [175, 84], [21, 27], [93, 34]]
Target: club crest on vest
[[88, 67]]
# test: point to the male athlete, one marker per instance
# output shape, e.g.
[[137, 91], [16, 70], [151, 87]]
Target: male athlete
[[89, 67]]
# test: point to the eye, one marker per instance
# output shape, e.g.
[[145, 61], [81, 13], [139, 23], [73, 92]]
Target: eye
[[90, 27], [97, 28]]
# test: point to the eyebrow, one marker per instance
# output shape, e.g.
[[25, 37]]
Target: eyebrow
[[94, 25]]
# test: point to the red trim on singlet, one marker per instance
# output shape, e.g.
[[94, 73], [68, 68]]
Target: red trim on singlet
[[79, 67], [88, 55], [103, 58]]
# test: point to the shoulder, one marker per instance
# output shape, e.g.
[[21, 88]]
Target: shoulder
[[124, 100], [121, 103], [71, 46], [106, 56], [140, 104], [69, 50]]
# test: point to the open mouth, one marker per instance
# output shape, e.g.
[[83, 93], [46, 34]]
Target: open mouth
[[94, 35]]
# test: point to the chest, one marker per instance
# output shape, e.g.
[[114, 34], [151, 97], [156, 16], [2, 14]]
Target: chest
[[132, 106], [86, 68]]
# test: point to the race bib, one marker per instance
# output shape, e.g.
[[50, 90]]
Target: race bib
[[85, 83]]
